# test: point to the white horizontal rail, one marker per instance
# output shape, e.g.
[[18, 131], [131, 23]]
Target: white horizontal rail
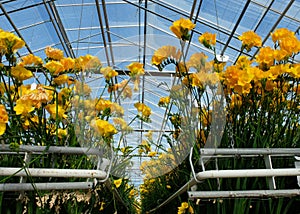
[[48, 172], [244, 194], [250, 151], [53, 149], [15, 187], [243, 173]]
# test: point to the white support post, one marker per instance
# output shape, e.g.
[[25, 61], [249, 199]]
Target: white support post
[[271, 180]]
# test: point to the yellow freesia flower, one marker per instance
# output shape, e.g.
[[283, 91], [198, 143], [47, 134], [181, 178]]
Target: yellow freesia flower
[[62, 133], [208, 39], [145, 110], [54, 53], [181, 28], [54, 67], [122, 124], [198, 61], [118, 182], [37, 96], [31, 59], [136, 69], [108, 72], [127, 92], [103, 127], [61, 79], [56, 110], [164, 53], [23, 107], [87, 62], [3, 119], [152, 154], [164, 101], [250, 39], [265, 57], [68, 63], [21, 73], [9, 42], [82, 88], [281, 33]]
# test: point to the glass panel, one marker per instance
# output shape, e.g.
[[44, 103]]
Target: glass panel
[[28, 16]]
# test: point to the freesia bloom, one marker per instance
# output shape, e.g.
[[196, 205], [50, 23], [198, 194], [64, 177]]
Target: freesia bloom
[[208, 39], [87, 62], [185, 207], [288, 42], [121, 123], [182, 27], [31, 59], [165, 52], [23, 107], [21, 73], [56, 111], [250, 39], [3, 119], [152, 154], [103, 127], [54, 53], [281, 33], [82, 88], [62, 133], [68, 63], [136, 69], [145, 110], [9, 42], [108, 72], [37, 96], [118, 182], [54, 67], [61, 79], [164, 101], [265, 57], [198, 61]]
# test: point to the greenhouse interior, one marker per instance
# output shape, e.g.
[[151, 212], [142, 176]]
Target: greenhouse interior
[[149, 106]]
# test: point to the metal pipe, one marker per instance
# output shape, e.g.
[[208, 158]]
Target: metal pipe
[[258, 24], [182, 190], [274, 26], [48, 172], [45, 186], [247, 173], [102, 32], [54, 26], [108, 32], [61, 28], [53, 149], [235, 26], [250, 151], [244, 194]]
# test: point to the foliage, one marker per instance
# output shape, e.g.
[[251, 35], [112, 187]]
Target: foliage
[[262, 111], [48, 103]]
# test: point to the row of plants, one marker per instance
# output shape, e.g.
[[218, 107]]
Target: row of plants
[[48, 102], [261, 110]]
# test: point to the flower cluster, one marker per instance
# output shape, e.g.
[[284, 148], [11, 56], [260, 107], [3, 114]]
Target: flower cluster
[[48, 102], [260, 96]]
